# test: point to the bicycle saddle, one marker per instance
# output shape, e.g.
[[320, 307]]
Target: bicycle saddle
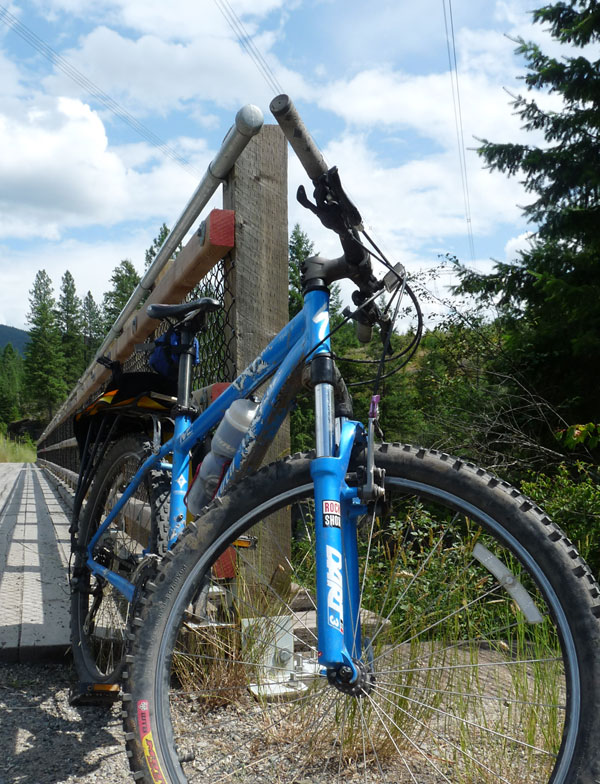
[[204, 305]]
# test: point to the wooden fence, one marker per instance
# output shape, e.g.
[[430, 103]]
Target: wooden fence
[[238, 255]]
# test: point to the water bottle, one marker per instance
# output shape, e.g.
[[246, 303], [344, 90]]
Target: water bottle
[[225, 442]]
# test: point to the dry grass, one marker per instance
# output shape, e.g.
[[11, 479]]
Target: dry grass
[[16, 451]]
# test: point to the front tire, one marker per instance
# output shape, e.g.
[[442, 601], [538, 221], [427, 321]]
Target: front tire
[[480, 628]]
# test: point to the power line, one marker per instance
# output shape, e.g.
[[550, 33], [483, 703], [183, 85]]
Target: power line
[[458, 121], [96, 92], [246, 42]]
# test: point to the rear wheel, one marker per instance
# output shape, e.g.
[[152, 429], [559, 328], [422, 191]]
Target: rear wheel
[[479, 641], [99, 613]]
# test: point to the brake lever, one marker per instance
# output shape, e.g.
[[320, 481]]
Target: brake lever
[[328, 212], [329, 188], [333, 207]]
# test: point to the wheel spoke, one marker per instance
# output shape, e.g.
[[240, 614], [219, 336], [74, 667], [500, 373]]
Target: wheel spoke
[[462, 720], [457, 683], [445, 741]]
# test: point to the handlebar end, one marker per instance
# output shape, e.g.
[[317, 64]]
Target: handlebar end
[[295, 132], [280, 105]]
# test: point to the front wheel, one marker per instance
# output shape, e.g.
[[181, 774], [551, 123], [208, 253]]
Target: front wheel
[[479, 641]]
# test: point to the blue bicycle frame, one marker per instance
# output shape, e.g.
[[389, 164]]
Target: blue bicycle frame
[[337, 505]]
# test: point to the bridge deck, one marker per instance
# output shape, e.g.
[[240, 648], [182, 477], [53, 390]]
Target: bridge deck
[[34, 553]]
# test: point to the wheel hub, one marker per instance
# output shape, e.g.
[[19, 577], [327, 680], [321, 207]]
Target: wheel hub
[[362, 684]]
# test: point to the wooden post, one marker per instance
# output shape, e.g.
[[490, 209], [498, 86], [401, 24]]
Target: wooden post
[[256, 191]]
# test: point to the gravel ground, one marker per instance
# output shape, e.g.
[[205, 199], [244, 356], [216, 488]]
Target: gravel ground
[[44, 740]]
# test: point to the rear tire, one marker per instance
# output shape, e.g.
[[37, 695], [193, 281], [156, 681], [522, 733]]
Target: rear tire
[[99, 613], [484, 670]]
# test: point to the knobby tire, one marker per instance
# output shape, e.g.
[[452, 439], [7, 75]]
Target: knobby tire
[[481, 673]]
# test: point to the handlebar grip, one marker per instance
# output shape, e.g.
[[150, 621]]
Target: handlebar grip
[[364, 332], [295, 132]]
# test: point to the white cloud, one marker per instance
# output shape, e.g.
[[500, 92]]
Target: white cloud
[[163, 75], [423, 104], [9, 78], [176, 20], [57, 172], [517, 244], [417, 204], [181, 20], [54, 164]]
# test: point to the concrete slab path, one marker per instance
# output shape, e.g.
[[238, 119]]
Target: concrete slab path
[[34, 555]]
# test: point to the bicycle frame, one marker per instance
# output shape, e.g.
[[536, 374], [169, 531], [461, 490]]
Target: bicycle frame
[[337, 506]]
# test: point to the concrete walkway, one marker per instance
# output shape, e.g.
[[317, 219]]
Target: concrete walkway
[[34, 554]]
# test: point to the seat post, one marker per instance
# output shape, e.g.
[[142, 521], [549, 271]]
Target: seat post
[[184, 380]]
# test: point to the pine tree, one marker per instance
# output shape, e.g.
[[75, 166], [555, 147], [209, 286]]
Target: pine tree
[[300, 248], [69, 323], [11, 384], [157, 244], [124, 280], [44, 360], [549, 297], [91, 327]]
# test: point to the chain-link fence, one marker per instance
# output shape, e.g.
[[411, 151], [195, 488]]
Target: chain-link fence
[[59, 449], [246, 273]]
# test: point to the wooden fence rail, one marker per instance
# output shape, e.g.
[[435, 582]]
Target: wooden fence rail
[[239, 255]]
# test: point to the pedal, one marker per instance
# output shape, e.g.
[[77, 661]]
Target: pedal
[[246, 541], [99, 694]]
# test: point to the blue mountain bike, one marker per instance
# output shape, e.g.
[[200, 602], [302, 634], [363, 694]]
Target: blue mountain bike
[[368, 612]]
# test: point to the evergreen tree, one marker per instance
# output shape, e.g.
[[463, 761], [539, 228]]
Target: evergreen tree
[[157, 244], [91, 327], [44, 360], [11, 384], [302, 418], [549, 298], [300, 248], [124, 280], [69, 317]]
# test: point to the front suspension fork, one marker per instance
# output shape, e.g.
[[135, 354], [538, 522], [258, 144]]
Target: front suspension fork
[[337, 508]]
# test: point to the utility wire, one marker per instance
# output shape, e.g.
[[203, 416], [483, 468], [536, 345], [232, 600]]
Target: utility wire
[[458, 121], [60, 62], [246, 42], [11, 21]]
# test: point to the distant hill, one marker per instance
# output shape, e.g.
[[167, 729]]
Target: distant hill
[[18, 337]]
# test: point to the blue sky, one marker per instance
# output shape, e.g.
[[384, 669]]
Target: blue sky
[[79, 190]]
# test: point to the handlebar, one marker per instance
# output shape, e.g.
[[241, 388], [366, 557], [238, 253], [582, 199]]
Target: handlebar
[[297, 135], [333, 207], [337, 212]]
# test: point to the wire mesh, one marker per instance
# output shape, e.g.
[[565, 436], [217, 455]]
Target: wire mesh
[[217, 341], [217, 359]]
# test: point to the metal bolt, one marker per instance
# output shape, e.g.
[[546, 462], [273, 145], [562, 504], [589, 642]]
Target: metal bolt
[[345, 673]]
